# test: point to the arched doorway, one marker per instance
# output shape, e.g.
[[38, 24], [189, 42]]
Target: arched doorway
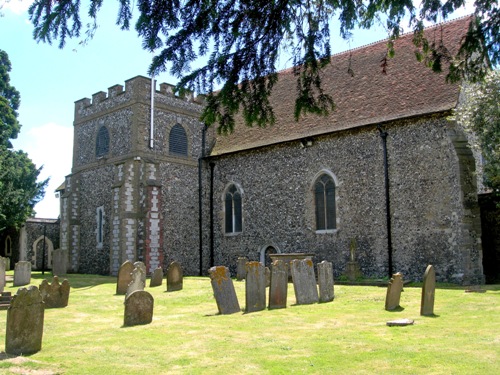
[[37, 260], [265, 251]]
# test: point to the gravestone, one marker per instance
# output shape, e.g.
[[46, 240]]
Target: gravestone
[[352, 270], [25, 315], [394, 290], [174, 277], [223, 288], [138, 281], [22, 273], [241, 268], [59, 262], [138, 308], [156, 277], [124, 277], [325, 281], [144, 272], [255, 287], [278, 289], [304, 281], [428, 291], [3, 268], [55, 295]]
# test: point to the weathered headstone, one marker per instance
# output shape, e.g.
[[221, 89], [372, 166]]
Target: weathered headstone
[[142, 266], [304, 281], [3, 268], [174, 277], [428, 291], [223, 288], [59, 262], [55, 295], [156, 277], [138, 281], [138, 308], [241, 268], [394, 290], [22, 273], [278, 289], [255, 287], [325, 281], [25, 322], [124, 277]]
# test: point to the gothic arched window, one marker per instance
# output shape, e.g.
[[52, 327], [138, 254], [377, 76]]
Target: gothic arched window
[[102, 142], [233, 210], [324, 199], [177, 141]]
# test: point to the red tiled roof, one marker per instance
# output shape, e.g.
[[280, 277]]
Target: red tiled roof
[[407, 89]]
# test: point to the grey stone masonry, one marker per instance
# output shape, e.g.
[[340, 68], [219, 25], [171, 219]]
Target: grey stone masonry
[[22, 273], [223, 288], [278, 290], [304, 281], [3, 263], [124, 277], [428, 292], [394, 290], [156, 278], [174, 277], [325, 281], [25, 317], [55, 295], [255, 287], [138, 308], [59, 262]]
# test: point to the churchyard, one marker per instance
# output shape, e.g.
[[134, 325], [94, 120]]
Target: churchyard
[[187, 334]]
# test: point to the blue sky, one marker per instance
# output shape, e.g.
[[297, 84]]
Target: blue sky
[[50, 80]]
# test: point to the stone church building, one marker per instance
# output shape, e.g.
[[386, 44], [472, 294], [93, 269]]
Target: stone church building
[[386, 173]]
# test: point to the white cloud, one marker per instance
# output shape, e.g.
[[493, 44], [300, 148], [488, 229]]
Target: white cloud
[[15, 6]]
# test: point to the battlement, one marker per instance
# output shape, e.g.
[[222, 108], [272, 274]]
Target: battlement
[[136, 89]]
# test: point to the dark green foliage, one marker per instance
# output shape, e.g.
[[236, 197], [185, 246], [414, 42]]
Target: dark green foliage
[[241, 41]]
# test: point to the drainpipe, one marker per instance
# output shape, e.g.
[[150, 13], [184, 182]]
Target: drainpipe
[[200, 196], [212, 166], [152, 123], [383, 135]]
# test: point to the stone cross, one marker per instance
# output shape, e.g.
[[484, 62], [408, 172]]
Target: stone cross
[[22, 273], [138, 308], [278, 289], [255, 287], [3, 267], [59, 262], [142, 266], [394, 290], [55, 295], [156, 277], [25, 322], [241, 268], [174, 277], [325, 281], [304, 281], [138, 281], [124, 277], [428, 292], [223, 288]]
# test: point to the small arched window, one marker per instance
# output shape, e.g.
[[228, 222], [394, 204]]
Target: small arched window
[[8, 246], [324, 199], [233, 211], [102, 142], [177, 141]]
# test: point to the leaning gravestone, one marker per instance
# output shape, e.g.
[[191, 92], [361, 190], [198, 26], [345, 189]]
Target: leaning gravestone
[[59, 262], [255, 287], [142, 266], [174, 277], [394, 290], [124, 277], [138, 308], [278, 289], [25, 322], [138, 281], [55, 295], [3, 266], [22, 273], [304, 281], [241, 269], [156, 277], [223, 288], [325, 281], [428, 291]]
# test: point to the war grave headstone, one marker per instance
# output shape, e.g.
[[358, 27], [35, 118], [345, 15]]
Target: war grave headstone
[[25, 322], [241, 268], [124, 277], [174, 277], [278, 289], [255, 287], [3, 266], [304, 281], [59, 262], [22, 273], [325, 281], [394, 289], [138, 281], [144, 272], [223, 288], [428, 292], [55, 295], [156, 278], [138, 308]]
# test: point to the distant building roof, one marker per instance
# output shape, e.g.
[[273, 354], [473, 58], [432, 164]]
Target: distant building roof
[[366, 96]]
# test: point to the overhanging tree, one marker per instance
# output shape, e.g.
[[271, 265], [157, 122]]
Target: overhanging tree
[[19, 188], [241, 42]]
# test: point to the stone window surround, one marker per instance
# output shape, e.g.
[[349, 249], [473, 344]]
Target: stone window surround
[[99, 232], [102, 141], [313, 204], [223, 199], [8, 246], [179, 122]]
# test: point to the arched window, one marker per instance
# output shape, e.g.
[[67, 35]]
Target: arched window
[[233, 210], [324, 199], [8, 246], [177, 141], [100, 227], [102, 142]]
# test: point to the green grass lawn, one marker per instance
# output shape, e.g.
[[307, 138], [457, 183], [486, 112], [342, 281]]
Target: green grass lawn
[[187, 336]]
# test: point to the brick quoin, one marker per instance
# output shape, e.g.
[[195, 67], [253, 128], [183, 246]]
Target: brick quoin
[[154, 257]]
